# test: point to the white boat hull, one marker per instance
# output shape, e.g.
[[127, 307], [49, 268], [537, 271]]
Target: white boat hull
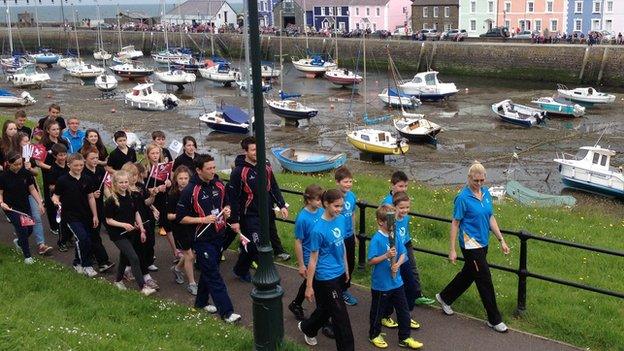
[[24, 99], [215, 76], [306, 66], [28, 80], [106, 83], [176, 78]]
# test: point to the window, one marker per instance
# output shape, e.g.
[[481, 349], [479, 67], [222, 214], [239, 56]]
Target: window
[[507, 23], [553, 25], [425, 25], [357, 26], [578, 7], [425, 12], [341, 26], [578, 25], [357, 11], [473, 6], [595, 24], [530, 6], [596, 7], [331, 11], [538, 25], [549, 6], [473, 25], [609, 6], [435, 11], [447, 11], [368, 11], [507, 7], [378, 11], [490, 6], [374, 27], [596, 158], [608, 25]]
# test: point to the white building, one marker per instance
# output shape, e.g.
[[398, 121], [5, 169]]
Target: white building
[[613, 16], [198, 11]]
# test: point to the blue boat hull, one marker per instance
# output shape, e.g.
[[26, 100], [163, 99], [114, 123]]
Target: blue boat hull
[[554, 110], [48, 60], [293, 114], [308, 167], [228, 129], [592, 188], [526, 124]]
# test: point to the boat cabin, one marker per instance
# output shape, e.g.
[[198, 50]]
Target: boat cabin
[[598, 157], [142, 90], [426, 78]]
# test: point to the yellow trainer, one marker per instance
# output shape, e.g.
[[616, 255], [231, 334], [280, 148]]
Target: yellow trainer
[[414, 324], [389, 323], [379, 341], [410, 343]]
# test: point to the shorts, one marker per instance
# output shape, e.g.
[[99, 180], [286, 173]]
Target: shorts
[[183, 238]]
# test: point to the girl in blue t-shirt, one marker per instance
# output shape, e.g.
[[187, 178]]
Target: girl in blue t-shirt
[[306, 219], [326, 274]]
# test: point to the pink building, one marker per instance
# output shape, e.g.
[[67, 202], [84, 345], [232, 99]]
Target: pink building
[[533, 15], [382, 14]]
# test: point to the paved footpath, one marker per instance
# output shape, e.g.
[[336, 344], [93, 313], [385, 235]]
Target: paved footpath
[[437, 332]]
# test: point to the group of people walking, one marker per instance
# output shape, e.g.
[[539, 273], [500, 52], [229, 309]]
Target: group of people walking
[[183, 199]]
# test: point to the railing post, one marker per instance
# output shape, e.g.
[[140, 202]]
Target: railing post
[[362, 236], [522, 274]]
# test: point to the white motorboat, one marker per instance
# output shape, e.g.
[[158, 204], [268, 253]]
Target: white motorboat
[[28, 76], [102, 55], [220, 73], [12, 64], [395, 98], [290, 109], [518, 114], [559, 106], [376, 141], [592, 172], [586, 96], [87, 71], [106, 82], [8, 99], [169, 56], [69, 62], [427, 87], [144, 97], [315, 65], [417, 129], [176, 77], [229, 119], [269, 71], [132, 70], [129, 52]]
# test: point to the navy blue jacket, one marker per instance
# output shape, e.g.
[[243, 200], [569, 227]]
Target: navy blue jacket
[[211, 197]]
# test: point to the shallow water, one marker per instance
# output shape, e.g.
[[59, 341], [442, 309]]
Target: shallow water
[[471, 130]]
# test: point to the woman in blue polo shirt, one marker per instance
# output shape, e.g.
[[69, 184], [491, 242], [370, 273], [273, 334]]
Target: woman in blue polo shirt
[[473, 218]]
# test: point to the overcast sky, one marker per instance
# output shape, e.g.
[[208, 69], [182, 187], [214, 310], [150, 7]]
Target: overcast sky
[[101, 2]]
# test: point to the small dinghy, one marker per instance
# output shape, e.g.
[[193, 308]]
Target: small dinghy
[[394, 98], [28, 76], [343, 77], [144, 97], [560, 106], [290, 109], [230, 119], [220, 73], [176, 77], [128, 53], [87, 71], [593, 172], [132, 70], [376, 141], [586, 96], [417, 129], [8, 99], [168, 56], [70, 62], [242, 85], [518, 114], [106, 82], [531, 197], [268, 71], [46, 57], [301, 161]]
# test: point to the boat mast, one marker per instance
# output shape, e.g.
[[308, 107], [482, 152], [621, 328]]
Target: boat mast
[[99, 31], [8, 16], [365, 20], [305, 26], [76, 30], [336, 32], [179, 15], [118, 27], [247, 66], [281, 58], [37, 23]]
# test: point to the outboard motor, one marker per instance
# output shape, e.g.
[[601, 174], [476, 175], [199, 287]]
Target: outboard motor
[[27, 97], [170, 103]]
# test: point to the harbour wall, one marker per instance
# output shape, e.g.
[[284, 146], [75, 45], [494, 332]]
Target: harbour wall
[[557, 63]]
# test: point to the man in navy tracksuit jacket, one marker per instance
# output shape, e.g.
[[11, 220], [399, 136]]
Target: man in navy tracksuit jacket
[[204, 206], [242, 190]]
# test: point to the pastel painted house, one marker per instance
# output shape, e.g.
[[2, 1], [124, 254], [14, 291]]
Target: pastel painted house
[[381, 14], [586, 15], [613, 16], [533, 15], [477, 17]]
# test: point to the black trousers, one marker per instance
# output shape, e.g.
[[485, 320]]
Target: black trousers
[[329, 304], [476, 269], [414, 269], [300, 293], [273, 235], [250, 226], [350, 248], [230, 235], [128, 257], [101, 256], [380, 302], [148, 245]]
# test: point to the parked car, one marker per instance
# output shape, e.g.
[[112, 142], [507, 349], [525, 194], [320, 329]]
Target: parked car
[[432, 34], [454, 34], [604, 36], [526, 34], [496, 32], [102, 26], [401, 31]]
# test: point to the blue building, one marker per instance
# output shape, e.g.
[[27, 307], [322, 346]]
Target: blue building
[[322, 13], [265, 13], [584, 16]]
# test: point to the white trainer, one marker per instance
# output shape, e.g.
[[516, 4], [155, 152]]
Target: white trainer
[[89, 272], [310, 341], [17, 247], [79, 269], [500, 327], [152, 268], [233, 318], [212, 309], [147, 291], [29, 260], [120, 285], [446, 308]]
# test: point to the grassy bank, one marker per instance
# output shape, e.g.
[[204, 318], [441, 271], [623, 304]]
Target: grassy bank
[[581, 318], [47, 306]]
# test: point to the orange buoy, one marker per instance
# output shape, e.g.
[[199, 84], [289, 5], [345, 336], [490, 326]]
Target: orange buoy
[[113, 110], [49, 95], [331, 106]]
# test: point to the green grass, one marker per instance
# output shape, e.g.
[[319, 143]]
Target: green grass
[[45, 306], [582, 318]]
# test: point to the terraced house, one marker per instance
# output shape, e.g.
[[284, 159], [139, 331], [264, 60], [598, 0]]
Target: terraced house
[[350, 15], [613, 17], [477, 17], [435, 14], [533, 15], [586, 15]]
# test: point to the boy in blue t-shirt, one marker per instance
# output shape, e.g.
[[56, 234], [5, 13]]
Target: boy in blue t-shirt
[[306, 219], [386, 256], [344, 182]]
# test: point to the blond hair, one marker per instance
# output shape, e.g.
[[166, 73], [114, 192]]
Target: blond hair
[[147, 162], [476, 168], [115, 188], [382, 212], [132, 171]]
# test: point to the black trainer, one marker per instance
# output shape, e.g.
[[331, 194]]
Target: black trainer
[[297, 310], [328, 331]]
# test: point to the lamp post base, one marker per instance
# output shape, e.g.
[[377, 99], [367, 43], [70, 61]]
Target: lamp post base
[[268, 326]]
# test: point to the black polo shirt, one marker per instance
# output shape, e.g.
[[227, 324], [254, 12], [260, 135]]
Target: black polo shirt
[[51, 175], [15, 188], [96, 180], [117, 159], [49, 158], [166, 155], [25, 130], [59, 119], [74, 196], [184, 160], [125, 213]]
